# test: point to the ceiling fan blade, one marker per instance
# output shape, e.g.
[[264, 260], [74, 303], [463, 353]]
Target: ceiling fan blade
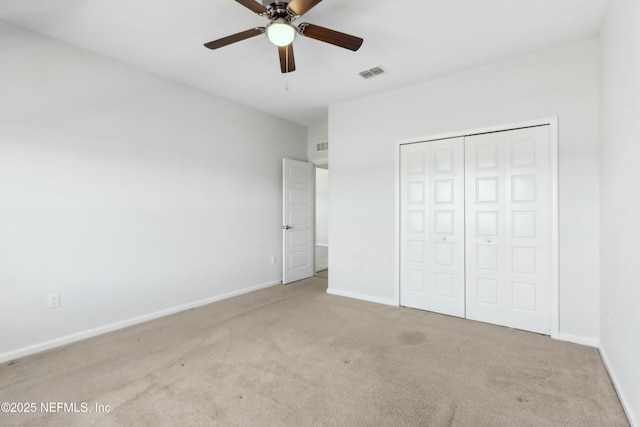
[[254, 7], [287, 62], [235, 38], [330, 36], [300, 7]]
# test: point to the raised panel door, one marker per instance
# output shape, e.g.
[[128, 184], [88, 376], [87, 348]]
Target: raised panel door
[[432, 226], [508, 228], [297, 229]]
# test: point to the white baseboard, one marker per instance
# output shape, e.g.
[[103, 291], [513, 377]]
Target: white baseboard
[[57, 342], [361, 297], [577, 339], [631, 417]]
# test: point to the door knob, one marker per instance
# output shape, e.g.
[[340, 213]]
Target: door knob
[[287, 227]]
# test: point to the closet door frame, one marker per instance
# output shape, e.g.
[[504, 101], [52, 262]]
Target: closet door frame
[[552, 122]]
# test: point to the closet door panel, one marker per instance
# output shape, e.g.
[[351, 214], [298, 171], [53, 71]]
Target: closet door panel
[[508, 228], [432, 226]]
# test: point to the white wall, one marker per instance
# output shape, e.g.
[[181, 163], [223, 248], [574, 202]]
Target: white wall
[[130, 195], [316, 134], [620, 195], [562, 82]]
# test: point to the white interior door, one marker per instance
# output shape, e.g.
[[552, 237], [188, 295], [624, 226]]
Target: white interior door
[[508, 228], [432, 226], [297, 222]]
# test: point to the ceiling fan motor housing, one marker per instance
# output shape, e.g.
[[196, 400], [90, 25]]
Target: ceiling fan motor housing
[[267, 3], [277, 9]]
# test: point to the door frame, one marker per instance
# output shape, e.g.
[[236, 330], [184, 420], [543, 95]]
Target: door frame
[[552, 122], [317, 165]]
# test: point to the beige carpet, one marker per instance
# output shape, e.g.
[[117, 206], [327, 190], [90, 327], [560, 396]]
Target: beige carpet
[[324, 274], [295, 356]]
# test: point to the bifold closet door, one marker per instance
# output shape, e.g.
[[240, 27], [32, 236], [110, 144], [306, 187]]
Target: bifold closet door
[[432, 226], [508, 228]]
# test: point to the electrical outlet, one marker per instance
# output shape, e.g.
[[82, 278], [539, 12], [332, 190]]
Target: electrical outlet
[[54, 300], [274, 259], [357, 268]]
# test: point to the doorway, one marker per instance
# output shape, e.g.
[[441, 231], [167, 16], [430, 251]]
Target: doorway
[[322, 220]]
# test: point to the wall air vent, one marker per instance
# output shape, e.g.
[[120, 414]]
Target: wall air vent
[[322, 146], [371, 72]]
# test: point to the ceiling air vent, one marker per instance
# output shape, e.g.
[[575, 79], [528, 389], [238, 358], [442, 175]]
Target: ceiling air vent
[[371, 72], [322, 146]]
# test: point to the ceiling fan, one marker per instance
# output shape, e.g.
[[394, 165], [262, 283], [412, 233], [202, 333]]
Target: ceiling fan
[[281, 31]]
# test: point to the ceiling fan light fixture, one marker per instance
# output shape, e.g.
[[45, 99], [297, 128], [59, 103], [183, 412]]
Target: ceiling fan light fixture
[[281, 33]]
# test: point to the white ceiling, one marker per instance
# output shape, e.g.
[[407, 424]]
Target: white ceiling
[[413, 40]]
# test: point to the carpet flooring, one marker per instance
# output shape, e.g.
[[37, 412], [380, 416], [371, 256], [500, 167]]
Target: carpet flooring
[[295, 356]]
